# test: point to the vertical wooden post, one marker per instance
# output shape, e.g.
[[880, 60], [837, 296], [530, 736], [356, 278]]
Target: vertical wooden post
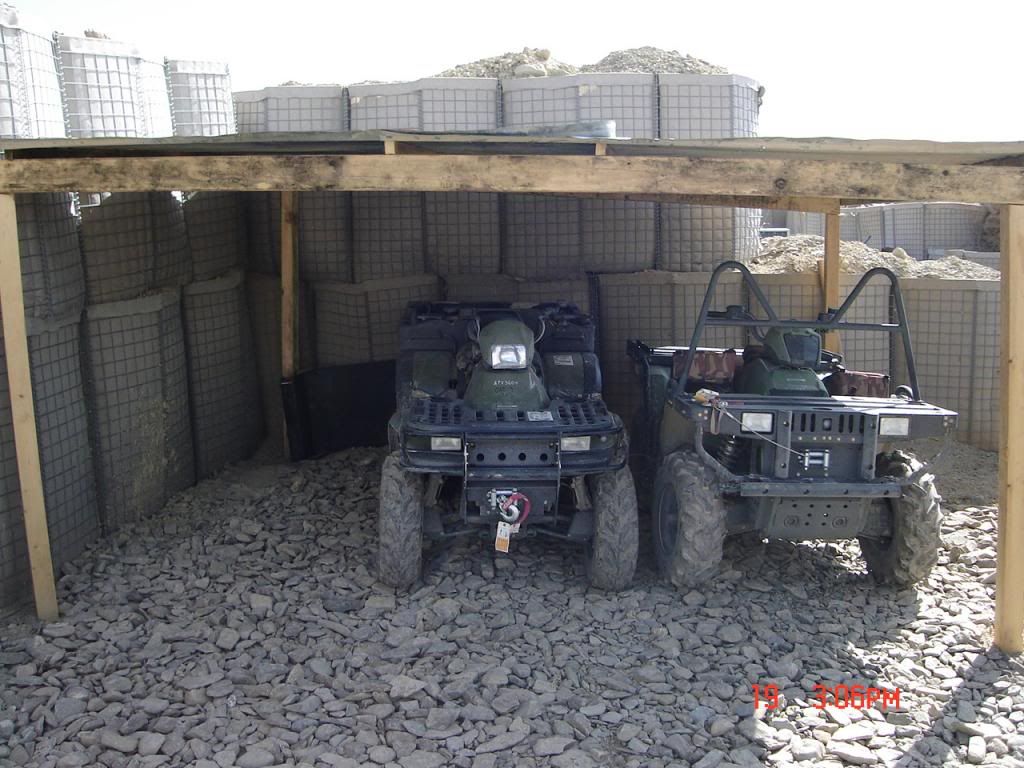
[[289, 291], [830, 275], [1009, 624], [23, 414]]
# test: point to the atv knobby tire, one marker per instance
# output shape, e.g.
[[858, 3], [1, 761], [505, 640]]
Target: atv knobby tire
[[611, 554], [399, 525], [685, 487], [909, 555]]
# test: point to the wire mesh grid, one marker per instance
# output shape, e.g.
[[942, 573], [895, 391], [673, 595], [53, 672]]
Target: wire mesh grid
[[573, 290], [618, 235], [393, 111], [952, 225], [139, 397], [462, 105], [542, 236], [200, 94], [463, 233], [132, 243], [51, 258], [707, 106], [983, 430], [64, 450], [388, 230], [325, 236], [342, 324], [475, 287], [227, 421], [30, 98], [215, 223], [154, 98], [385, 302], [792, 296], [529, 103], [68, 482], [250, 116], [628, 99], [867, 350], [263, 231], [100, 84], [696, 238], [292, 108]]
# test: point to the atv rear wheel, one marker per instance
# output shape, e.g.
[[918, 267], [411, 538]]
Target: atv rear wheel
[[688, 520], [910, 553], [399, 525], [611, 553]]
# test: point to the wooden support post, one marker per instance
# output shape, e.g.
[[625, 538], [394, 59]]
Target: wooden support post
[[1009, 624], [830, 275], [601, 148], [289, 291], [23, 414]]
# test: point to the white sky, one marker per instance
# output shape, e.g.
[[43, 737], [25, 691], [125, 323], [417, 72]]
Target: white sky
[[898, 69]]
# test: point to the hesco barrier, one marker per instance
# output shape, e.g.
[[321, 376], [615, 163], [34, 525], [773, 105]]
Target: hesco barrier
[[51, 258], [325, 236], [463, 232], [542, 237], [224, 387], [133, 243], [438, 104], [137, 385], [388, 236], [215, 222], [110, 90], [30, 98], [695, 238], [69, 485], [504, 288], [955, 332], [292, 108], [263, 231], [200, 94], [359, 323]]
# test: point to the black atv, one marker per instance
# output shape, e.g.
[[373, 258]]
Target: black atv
[[501, 432], [779, 439]]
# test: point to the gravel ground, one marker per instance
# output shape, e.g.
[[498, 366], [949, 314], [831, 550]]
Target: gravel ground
[[244, 627], [800, 253]]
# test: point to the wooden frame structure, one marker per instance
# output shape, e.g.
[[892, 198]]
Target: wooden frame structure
[[816, 175]]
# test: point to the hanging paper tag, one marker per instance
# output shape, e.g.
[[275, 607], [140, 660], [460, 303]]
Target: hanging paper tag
[[502, 539]]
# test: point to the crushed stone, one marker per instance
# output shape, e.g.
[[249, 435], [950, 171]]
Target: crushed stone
[[538, 62], [801, 253], [529, 62], [650, 59]]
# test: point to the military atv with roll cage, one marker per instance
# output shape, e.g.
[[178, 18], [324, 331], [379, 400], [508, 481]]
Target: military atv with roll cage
[[501, 432], [779, 439]]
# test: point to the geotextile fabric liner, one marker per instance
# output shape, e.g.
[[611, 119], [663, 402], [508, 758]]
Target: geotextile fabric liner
[[325, 236], [224, 386], [215, 222], [133, 243], [542, 237], [359, 323], [51, 257], [138, 392], [463, 232], [389, 238], [69, 487]]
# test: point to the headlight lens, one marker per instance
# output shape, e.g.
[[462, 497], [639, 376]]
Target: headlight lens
[[894, 426], [580, 443], [757, 422], [508, 357], [446, 443]]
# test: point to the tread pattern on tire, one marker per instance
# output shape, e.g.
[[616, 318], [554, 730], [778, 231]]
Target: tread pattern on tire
[[399, 525], [913, 550], [701, 514], [612, 553]]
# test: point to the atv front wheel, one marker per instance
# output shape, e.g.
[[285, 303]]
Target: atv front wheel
[[611, 554], [910, 553], [399, 525], [688, 520]]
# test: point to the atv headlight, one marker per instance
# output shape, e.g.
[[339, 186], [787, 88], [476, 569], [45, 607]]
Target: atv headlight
[[580, 443], [506, 357], [894, 426], [757, 422], [446, 443]]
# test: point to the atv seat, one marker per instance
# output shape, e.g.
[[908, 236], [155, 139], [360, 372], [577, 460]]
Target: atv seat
[[712, 368]]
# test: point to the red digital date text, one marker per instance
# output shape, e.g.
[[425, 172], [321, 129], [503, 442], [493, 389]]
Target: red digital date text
[[838, 696]]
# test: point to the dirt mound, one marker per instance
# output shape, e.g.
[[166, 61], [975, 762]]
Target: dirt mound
[[651, 59], [529, 62], [801, 253]]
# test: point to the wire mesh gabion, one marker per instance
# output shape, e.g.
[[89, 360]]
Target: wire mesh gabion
[[215, 223], [200, 93], [30, 98], [51, 257]]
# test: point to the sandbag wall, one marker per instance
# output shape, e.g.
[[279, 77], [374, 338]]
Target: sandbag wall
[[54, 294]]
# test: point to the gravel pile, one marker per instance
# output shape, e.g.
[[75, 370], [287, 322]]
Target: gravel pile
[[530, 62], [801, 253], [244, 628], [651, 59]]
